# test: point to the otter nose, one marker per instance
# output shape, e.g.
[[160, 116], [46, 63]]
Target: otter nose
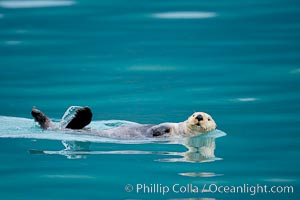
[[199, 117]]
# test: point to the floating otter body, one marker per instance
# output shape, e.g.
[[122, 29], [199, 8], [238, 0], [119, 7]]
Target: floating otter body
[[77, 118]]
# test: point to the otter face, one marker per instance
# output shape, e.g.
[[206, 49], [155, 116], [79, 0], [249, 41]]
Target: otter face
[[201, 122]]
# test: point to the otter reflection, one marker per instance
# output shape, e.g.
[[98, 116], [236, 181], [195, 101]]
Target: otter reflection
[[200, 148]]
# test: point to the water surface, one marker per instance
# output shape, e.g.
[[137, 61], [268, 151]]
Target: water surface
[[150, 62]]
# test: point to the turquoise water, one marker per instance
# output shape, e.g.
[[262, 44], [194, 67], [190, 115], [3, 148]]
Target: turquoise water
[[149, 62]]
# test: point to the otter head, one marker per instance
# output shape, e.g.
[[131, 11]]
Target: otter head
[[201, 122]]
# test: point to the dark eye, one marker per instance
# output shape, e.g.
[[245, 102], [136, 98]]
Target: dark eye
[[208, 119], [193, 115], [168, 130]]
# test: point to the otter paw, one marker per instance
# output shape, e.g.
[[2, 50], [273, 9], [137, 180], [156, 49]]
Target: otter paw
[[160, 130]]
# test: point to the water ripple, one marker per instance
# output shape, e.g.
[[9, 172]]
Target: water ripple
[[68, 176], [200, 174], [245, 99], [12, 42], [295, 71], [279, 180], [184, 15], [34, 4], [152, 68]]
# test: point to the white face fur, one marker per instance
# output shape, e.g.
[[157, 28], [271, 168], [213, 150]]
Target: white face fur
[[201, 122]]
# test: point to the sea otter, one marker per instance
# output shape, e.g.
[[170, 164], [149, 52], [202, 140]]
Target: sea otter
[[78, 117]]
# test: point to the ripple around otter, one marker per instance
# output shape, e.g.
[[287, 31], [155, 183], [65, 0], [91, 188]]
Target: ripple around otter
[[13, 127], [77, 143]]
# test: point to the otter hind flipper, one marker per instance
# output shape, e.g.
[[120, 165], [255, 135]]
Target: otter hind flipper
[[44, 121], [82, 117]]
